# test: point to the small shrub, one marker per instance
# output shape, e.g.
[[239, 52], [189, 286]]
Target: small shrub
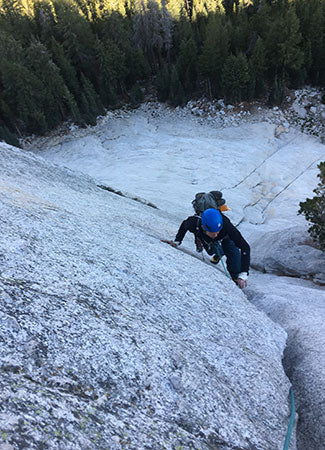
[[8, 137], [314, 210]]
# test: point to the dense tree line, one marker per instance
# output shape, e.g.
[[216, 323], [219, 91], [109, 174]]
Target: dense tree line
[[71, 59]]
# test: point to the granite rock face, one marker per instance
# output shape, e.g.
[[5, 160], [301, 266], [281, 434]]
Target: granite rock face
[[110, 339], [289, 253]]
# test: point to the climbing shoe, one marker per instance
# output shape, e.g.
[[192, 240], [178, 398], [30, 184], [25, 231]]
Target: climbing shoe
[[215, 259]]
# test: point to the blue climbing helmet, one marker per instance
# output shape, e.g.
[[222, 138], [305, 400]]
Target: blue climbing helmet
[[212, 220]]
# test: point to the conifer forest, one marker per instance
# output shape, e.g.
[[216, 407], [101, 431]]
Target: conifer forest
[[73, 59]]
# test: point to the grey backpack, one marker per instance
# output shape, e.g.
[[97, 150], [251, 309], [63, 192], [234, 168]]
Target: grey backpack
[[208, 200]]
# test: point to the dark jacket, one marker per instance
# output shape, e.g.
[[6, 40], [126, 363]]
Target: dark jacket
[[228, 231]]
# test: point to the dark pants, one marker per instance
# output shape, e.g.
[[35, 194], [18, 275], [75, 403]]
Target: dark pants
[[233, 255]]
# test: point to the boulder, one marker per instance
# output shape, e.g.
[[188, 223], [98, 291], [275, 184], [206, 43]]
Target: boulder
[[289, 253]]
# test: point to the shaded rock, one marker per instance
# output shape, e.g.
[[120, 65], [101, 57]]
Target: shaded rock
[[289, 253], [304, 358]]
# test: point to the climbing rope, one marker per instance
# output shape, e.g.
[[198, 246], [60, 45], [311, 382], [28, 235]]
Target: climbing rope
[[217, 248], [292, 420], [224, 268]]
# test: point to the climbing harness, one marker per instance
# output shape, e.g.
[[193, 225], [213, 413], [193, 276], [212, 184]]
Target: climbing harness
[[292, 420]]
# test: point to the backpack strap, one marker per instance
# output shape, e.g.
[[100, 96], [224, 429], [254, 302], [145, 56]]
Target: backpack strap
[[198, 223]]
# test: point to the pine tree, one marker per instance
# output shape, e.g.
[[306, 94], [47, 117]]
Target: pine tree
[[87, 9], [176, 92], [7, 122], [236, 78], [317, 41], [182, 30], [7, 136], [67, 70], [139, 68], [17, 22], [186, 64], [23, 92], [311, 14], [58, 103], [113, 70], [258, 66], [240, 33], [74, 32], [278, 91], [6, 115], [214, 53], [91, 106], [10, 48], [314, 209], [116, 28], [44, 19], [231, 6], [136, 95], [163, 84], [282, 39]]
